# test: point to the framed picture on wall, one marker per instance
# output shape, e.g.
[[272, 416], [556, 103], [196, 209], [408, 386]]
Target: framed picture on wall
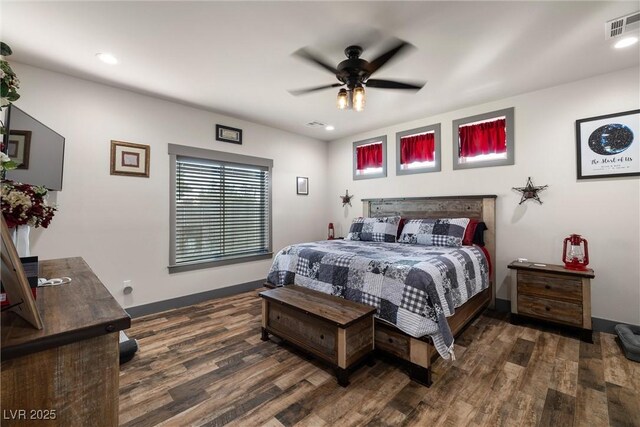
[[228, 134], [302, 185], [608, 146], [130, 159]]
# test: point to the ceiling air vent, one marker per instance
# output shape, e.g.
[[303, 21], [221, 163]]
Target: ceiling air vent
[[623, 25]]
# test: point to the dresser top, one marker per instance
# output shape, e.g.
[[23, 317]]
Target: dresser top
[[71, 312], [550, 268]]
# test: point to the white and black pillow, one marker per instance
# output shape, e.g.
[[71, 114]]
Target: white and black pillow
[[434, 232], [383, 229]]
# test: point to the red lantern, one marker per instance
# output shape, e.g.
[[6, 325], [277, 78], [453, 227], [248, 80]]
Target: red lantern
[[331, 234], [575, 253]]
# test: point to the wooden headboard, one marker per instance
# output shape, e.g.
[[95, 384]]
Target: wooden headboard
[[482, 208]]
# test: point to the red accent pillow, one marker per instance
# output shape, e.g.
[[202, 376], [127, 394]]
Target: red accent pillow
[[470, 231]]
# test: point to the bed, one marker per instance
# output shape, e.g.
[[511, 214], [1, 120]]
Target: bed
[[384, 275]]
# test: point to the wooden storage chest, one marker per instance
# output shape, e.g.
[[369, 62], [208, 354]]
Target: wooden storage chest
[[331, 328]]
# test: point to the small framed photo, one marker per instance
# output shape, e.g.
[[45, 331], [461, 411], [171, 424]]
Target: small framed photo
[[19, 146], [15, 281], [302, 185], [130, 159], [228, 134], [608, 146]]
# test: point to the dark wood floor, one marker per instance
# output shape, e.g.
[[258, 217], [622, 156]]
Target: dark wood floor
[[206, 365]]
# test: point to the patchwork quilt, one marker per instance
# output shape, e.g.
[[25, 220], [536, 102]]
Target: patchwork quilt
[[412, 287]]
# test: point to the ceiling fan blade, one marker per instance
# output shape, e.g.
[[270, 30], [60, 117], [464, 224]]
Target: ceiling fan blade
[[305, 54], [377, 63], [390, 84], [313, 89]]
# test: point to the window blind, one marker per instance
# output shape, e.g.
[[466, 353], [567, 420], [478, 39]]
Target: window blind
[[221, 210]]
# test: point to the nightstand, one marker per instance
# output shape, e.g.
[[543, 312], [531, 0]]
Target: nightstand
[[552, 293]]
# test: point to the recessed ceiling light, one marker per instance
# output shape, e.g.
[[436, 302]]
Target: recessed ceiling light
[[329, 127], [626, 42], [107, 58]]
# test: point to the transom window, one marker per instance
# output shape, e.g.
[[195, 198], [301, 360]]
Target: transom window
[[418, 150], [370, 158], [484, 140]]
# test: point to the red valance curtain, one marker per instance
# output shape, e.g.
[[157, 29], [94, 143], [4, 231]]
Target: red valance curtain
[[483, 138], [369, 156], [417, 148]]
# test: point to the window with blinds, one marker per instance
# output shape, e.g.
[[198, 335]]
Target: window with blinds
[[220, 212]]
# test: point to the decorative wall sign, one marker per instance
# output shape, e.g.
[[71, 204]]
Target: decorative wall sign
[[228, 134], [608, 146], [130, 159], [530, 191], [302, 185], [19, 146], [346, 199]]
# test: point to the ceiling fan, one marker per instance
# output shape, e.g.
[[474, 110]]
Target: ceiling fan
[[355, 73]]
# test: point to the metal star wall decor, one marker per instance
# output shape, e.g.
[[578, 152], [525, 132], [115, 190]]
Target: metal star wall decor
[[346, 199], [530, 191]]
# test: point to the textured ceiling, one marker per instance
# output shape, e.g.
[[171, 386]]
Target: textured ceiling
[[235, 57]]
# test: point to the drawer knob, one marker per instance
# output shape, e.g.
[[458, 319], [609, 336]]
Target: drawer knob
[[548, 308], [391, 340], [547, 287], [278, 317], [321, 336]]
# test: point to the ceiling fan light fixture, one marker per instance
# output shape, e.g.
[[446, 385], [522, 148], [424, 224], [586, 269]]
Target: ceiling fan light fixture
[[343, 99], [358, 98], [354, 73]]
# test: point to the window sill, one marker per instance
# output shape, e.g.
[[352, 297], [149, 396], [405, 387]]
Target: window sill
[[198, 265]]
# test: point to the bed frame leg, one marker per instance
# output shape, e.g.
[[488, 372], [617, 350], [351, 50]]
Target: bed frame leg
[[371, 361], [420, 375], [265, 335], [342, 375]]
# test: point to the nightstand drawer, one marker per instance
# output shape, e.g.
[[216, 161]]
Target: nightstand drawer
[[559, 311], [552, 286]]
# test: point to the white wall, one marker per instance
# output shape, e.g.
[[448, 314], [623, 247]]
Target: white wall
[[120, 225], [605, 211]]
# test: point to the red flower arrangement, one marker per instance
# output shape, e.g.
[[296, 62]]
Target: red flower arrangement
[[25, 204]]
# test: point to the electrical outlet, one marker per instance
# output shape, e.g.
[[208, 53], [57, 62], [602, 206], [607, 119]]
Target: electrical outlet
[[127, 288]]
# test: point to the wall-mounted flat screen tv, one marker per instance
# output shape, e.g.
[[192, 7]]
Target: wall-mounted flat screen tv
[[38, 150]]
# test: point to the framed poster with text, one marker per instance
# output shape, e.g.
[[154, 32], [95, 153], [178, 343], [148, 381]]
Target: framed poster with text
[[608, 146]]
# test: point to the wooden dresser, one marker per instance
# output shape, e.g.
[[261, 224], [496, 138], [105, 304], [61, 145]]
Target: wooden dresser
[[67, 373], [552, 293]]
